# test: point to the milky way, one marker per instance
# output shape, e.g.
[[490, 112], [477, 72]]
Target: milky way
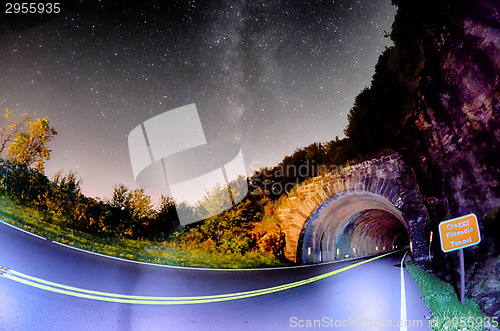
[[272, 76]]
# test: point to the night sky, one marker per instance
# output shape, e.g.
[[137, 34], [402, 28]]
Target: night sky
[[270, 75]]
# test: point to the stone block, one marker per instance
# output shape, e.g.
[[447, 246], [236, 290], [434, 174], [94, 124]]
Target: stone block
[[322, 193], [337, 186], [303, 210]]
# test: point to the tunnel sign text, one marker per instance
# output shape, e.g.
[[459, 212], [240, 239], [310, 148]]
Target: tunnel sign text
[[459, 233]]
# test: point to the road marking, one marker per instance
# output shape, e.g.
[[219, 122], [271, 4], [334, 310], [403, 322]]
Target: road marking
[[152, 300], [403, 316], [15, 227]]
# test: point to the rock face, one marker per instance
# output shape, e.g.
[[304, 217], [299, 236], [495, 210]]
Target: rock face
[[453, 135], [484, 286]]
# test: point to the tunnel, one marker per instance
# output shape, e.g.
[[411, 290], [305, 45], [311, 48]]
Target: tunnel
[[350, 225]]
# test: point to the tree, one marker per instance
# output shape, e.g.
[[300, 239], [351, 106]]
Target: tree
[[166, 220], [30, 146], [69, 184], [10, 127], [121, 197], [137, 202], [140, 204], [214, 201], [132, 211]]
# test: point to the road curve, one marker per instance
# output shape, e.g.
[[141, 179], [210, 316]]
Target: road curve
[[364, 297]]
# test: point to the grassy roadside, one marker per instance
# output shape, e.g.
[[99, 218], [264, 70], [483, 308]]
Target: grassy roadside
[[31, 220], [447, 313]]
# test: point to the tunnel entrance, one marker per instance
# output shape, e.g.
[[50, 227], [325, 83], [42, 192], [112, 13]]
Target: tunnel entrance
[[370, 232], [352, 224], [360, 203]]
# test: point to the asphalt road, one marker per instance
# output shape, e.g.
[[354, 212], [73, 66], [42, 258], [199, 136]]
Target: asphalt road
[[365, 297]]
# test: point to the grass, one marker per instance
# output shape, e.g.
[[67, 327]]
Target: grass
[[447, 313], [33, 221]]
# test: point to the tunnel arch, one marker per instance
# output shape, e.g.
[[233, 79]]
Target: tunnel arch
[[377, 191], [351, 224]]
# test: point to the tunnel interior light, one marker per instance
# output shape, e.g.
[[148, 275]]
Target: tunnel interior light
[[411, 247], [346, 256], [431, 237], [348, 220], [309, 250]]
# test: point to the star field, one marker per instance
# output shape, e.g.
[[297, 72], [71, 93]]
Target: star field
[[270, 75]]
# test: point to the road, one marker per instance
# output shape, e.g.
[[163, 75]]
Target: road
[[364, 297]]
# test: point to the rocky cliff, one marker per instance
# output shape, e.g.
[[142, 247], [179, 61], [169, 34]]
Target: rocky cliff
[[449, 61], [454, 135], [435, 97]]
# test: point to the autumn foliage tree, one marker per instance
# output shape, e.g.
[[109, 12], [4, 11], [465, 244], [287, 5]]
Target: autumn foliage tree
[[30, 146], [132, 212], [10, 125]]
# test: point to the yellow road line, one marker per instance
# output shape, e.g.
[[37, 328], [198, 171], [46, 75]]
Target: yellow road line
[[152, 300]]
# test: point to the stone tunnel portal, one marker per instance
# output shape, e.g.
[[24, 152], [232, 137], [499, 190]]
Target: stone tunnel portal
[[352, 224]]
